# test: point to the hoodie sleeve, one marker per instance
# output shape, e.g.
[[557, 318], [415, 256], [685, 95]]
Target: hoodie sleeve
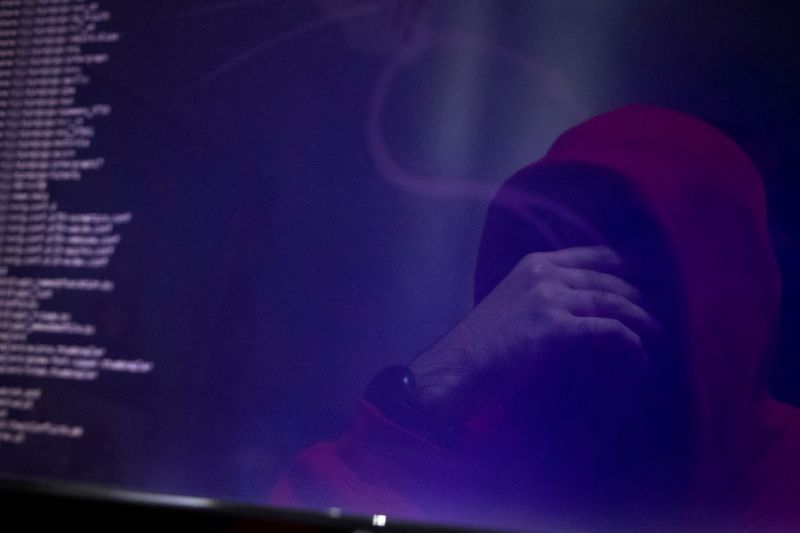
[[373, 468]]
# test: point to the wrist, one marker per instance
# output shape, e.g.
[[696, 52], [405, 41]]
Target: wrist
[[393, 393], [445, 376]]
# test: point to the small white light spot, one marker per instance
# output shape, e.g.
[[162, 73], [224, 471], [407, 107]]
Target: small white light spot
[[335, 512], [379, 520]]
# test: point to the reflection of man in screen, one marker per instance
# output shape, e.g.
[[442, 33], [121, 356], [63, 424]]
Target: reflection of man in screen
[[607, 377]]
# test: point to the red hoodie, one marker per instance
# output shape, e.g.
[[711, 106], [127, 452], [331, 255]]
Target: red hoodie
[[744, 461]]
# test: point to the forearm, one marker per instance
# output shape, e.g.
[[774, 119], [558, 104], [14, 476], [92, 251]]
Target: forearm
[[451, 382]]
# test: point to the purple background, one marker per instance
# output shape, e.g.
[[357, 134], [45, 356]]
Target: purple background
[[307, 209]]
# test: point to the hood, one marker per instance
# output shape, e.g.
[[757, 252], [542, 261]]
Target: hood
[[709, 202]]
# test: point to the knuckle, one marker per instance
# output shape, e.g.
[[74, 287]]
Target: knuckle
[[603, 279], [588, 327], [610, 299], [533, 260], [559, 322], [536, 267], [546, 291], [622, 333], [558, 317], [605, 252], [530, 259], [595, 301], [616, 327], [595, 298]]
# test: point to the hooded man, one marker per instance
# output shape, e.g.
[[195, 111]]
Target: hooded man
[[613, 370]]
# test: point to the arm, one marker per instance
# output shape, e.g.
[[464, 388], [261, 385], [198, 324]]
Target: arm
[[566, 307], [553, 307]]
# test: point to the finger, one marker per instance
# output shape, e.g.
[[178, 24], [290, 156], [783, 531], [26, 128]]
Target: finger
[[598, 258], [579, 278], [591, 303], [610, 332]]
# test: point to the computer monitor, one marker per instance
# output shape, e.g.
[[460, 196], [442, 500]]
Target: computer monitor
[[267, 258]]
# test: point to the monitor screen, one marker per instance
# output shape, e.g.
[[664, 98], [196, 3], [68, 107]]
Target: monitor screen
[[514, 265]]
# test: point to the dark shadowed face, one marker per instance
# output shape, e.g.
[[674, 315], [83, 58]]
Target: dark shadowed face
[[606, 424]]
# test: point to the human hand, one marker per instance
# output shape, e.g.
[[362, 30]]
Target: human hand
[[567, 308]]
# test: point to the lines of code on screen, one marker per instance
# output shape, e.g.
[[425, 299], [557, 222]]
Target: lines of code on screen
[[48, 50]]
